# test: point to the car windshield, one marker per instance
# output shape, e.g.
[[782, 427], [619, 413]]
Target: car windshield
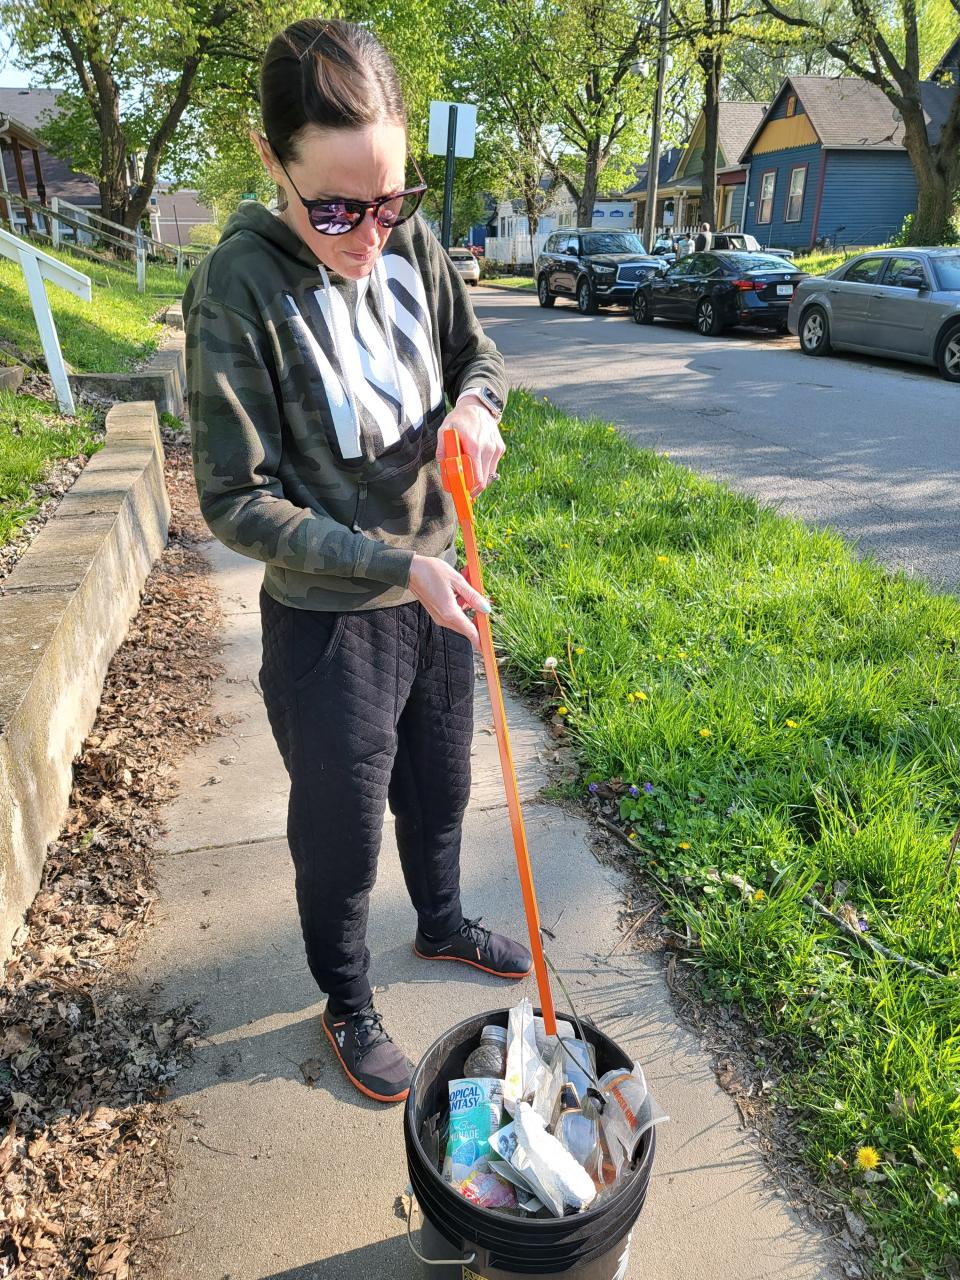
[[460, 253], [948, 271], [612, 242], [756, 262]]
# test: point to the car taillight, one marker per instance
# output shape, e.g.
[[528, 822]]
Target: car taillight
[[748, 285]]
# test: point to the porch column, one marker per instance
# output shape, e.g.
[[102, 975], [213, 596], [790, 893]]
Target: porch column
[[21, 180], [4, 187]]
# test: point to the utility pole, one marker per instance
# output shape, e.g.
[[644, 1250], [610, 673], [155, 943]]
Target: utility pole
[[653, 165]]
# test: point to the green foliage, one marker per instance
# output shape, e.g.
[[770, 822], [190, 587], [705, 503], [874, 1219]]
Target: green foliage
[[205, 233], [32, 435], [786, 713]]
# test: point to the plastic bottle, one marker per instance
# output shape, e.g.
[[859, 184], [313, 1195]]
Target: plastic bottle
[[579, 1065], [490, 1056]]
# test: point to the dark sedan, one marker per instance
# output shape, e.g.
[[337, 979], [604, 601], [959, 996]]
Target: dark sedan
[[716, 291]]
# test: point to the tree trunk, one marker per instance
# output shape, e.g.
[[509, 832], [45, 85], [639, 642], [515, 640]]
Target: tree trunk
[[712, 66], [588, 193], [937, 170]]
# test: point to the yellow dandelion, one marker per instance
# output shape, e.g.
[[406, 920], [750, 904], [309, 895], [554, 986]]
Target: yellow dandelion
[[508, 532], [564, 546], [791, 724], [663, 559], [579, 649], [759, 895], [631, 697], [489, 546], [632, 835], [562, 711], [867, 1157], [705, 733], [681, 653], [956, 1150], [640, 696], [659, 657], [683, 845]]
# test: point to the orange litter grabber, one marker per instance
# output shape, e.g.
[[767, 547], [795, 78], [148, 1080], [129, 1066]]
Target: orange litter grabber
[[458, 480]]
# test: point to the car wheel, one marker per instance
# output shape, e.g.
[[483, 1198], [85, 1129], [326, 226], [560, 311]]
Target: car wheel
[[708, 318], [640, 309], [544, 295], [814, 332], [586, 302], [948, 355]]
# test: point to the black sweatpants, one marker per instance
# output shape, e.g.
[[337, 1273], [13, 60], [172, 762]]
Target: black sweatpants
[[365, 707]]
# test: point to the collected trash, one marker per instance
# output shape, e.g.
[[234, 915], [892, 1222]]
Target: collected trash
[[572, 1138]]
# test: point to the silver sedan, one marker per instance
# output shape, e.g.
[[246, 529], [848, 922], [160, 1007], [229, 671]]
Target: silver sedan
[[891, 302], [466, 264]]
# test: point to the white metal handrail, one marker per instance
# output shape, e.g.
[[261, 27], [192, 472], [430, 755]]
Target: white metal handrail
[[37, 267]]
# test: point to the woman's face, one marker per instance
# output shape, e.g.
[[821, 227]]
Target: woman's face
[[355, 164]]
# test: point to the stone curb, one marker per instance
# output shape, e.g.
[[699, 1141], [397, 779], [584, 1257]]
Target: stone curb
[[12, 376], [64, 610]]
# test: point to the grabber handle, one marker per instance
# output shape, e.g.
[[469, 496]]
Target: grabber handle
[[458, 480]]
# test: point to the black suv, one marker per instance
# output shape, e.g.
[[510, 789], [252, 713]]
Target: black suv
[[595, 267]]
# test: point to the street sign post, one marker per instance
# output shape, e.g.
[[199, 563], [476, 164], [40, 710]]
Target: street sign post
[[452, 133]]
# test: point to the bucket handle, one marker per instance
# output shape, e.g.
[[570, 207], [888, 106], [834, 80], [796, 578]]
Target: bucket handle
[[430, 1262]]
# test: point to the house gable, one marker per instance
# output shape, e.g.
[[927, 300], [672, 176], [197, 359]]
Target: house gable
[[781, 131]]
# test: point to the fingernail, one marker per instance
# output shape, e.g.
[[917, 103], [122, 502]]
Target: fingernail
[[484, 606]]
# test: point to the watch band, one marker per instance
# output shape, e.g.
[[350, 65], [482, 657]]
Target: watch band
[[487, 397]]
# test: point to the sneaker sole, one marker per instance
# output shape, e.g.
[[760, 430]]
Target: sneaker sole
[[369, 1093], [494, 973]]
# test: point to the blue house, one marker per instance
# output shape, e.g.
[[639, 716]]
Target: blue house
[[828, 160]]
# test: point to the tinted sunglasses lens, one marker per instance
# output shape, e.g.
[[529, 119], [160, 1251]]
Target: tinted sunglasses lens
[[333, 219], [396, 211]]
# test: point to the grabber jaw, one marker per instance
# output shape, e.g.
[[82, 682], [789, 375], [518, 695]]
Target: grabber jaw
[[458, 475]]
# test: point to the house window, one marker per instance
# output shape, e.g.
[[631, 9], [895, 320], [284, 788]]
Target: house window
[[798, 182], [768, 184], [792, 105]]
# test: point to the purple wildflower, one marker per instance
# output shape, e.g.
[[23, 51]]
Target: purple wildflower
[[648, 788], [593, 788], [864, 927], [634, 791]]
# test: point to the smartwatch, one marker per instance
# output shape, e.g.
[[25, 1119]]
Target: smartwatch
[[487, 396]]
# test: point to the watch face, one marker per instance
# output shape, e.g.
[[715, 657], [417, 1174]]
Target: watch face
[[492, 399]]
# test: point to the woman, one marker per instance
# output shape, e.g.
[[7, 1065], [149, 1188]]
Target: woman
[[320, 343]]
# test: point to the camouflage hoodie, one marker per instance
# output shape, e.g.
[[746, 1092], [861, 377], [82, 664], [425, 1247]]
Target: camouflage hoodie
[[315, 403]]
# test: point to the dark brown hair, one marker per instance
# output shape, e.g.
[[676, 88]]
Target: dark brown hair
[[327, 73]]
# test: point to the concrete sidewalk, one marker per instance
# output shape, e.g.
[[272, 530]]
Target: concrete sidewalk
[[279, 1181]]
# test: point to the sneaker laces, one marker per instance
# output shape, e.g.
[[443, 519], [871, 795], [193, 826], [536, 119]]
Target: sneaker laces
[[474, 932], [369, 1030]]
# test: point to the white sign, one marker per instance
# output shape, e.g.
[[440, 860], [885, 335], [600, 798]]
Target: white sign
[[466, 129], [612, 213]]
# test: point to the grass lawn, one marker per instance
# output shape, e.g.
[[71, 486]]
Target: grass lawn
[[512, 282], [786, 714], [110, 334], [818, 264], [33, 434]]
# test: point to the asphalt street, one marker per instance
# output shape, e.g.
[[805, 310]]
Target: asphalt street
[[864, 445]]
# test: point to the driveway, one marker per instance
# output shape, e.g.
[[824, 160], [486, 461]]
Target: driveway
[[867, 446]]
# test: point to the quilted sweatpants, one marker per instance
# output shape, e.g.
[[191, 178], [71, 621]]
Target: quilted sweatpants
[[367, 707]]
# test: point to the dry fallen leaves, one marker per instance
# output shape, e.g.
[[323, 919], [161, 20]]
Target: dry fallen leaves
[[82, 1062]]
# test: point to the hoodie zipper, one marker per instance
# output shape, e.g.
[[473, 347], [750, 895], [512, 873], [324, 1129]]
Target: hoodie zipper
[[361, 504]]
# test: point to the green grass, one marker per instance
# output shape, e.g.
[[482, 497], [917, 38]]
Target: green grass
[[799, 727], [818, 264], [32, 435], [511, 282], [110, 334]]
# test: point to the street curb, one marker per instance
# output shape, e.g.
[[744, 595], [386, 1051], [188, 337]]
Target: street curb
[[64, 611]]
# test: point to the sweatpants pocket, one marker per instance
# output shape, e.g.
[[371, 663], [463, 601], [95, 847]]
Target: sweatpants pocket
[[315, 641]]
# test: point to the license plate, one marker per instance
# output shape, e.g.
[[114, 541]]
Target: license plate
[[784, 290]]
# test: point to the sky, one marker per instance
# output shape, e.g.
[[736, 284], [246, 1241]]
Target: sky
[[11, 77]]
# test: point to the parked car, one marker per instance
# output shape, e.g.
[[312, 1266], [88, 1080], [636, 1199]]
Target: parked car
[[466, 265], [894, 302], [739, 242], [594, 267], [719, 290]]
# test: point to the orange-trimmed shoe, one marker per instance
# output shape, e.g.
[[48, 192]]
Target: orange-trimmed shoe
[[370, 1059], [474, 945]]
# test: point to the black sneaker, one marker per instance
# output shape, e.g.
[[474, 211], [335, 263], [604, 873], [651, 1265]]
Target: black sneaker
[[371, 1060], [471, 944]]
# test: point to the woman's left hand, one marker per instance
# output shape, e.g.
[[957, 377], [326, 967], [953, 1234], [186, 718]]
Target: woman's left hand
[[480, 440]]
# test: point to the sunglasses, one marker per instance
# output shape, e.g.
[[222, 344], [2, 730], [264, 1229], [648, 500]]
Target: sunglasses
[[337, 216]]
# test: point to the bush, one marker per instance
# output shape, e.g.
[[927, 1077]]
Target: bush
[[205, 233]]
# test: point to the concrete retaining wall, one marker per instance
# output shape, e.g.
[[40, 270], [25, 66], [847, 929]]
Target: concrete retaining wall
[[12, 376], [163, 379], [64, 610]]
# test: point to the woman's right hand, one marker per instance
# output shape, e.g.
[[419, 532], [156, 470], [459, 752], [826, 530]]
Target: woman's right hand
[[445, 593]]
